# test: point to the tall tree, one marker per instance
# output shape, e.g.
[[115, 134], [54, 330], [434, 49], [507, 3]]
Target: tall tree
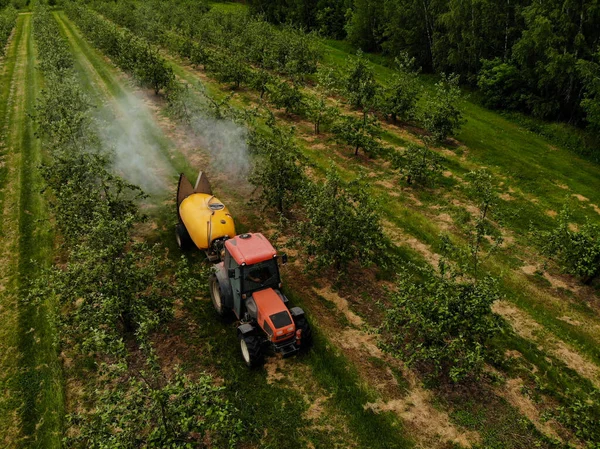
[[365, 25]]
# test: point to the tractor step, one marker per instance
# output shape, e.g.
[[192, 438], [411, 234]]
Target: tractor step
[[288, 349]]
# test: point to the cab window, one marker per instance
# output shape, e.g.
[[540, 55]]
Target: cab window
[[260, 275]]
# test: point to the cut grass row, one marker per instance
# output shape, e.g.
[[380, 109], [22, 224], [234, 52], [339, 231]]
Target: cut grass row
[[38, 383], [279, 411], [41, 373], [10, 401]]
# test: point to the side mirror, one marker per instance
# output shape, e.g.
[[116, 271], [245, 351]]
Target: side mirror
[[231, 273], [284, 259]]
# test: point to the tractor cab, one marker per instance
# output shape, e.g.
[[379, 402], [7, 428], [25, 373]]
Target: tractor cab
[[251, 264]]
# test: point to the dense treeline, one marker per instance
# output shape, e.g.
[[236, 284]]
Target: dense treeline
[[537, 57], [8, 18], [110, 288]]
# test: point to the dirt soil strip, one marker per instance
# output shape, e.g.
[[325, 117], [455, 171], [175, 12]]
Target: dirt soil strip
[[531, 330]]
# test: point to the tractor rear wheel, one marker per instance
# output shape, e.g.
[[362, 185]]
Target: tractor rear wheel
[[251, 347], [306, 337], [215, 294], [184, 241]]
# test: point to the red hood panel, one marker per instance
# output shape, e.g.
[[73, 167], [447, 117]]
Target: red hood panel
[[268, 302]]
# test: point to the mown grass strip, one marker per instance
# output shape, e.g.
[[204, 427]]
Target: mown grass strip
[[41, 378], [10, 400]]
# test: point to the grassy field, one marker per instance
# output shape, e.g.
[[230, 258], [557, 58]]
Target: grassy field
[[346, 392]]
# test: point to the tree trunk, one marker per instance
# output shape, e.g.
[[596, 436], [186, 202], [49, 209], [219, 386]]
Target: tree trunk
[[506, 30], [429, 38]]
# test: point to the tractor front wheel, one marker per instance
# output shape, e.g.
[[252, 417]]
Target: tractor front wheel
[[251, 350], [306, 337]]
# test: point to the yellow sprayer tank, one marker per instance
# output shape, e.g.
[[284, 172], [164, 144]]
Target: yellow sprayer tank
[[205, 219]]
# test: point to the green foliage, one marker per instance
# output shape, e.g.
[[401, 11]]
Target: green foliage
[[441, 116], [325, 16], [442, 325], [62, 113], [359, 133], [148, 410], [399, 99], [365, 24], [193, 30], [342, 224], [358, 82], [260, 81], [502, 85], [481, 188], [317, 109], [191, 279], [590, 71], [289, 97], [279, 171], [419, 164], [319, 112], [227, 68], [56, 54], [581, 415], [8, 19], [577, 251]]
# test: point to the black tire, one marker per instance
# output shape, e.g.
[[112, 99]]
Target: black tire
[[184, 241], [216, 295], [251, 348], [306, 336]]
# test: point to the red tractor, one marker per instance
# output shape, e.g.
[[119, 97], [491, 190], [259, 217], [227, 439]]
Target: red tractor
[[247, 283], [246, 280]]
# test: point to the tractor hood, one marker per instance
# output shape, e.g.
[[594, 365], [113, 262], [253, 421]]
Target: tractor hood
[[273, 315]]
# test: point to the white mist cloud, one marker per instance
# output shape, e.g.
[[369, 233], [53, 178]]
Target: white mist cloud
[[226, 142], [132, 137]]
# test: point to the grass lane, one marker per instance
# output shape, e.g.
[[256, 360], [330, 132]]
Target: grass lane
[[28, 246], [10, 401], [42, 373]]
